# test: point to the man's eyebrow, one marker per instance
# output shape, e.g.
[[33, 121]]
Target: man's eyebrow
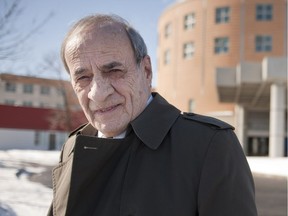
[[79, 71], [110, 65]]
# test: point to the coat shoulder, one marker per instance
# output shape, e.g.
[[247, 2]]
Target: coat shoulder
[[207, 120], [68, 146], [77, 129]]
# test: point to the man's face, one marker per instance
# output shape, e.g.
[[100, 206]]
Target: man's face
[[110, 87]]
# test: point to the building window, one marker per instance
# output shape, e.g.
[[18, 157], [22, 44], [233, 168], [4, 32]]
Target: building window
[[37, 138], [167, 57], [60, 91], [10, 102], [43, 104], [188, 50], [27, 103], [221, 45], [264, 12], [222, 15], [10, 87], [60, 106], [189, 21], [191, 106], [263, 43], [168, 30], [28, 88], [45, 90]]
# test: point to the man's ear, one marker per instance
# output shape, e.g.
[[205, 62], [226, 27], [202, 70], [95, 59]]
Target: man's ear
[[147, 67]]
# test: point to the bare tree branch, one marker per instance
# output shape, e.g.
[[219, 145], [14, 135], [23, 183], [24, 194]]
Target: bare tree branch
[[52, 63], [11, 41]]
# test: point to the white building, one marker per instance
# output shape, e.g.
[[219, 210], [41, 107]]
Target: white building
[[34, 112]]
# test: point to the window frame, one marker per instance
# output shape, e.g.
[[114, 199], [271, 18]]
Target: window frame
[[222, 15], [188, 52], [263, 43], [168, 30], [27, 104], [10, 87], [264, 13], [221, 45], [191, 105], [10, 102], [167, 57], [45, 90], [189, 23], [28, 88]]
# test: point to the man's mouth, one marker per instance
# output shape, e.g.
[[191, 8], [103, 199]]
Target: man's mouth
[[108, 109]]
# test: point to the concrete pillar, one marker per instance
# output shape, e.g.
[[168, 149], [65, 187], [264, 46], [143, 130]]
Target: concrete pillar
[[241, 126], [277, 120]]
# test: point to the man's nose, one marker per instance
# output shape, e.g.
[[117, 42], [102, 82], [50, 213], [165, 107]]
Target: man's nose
[[100, 89]]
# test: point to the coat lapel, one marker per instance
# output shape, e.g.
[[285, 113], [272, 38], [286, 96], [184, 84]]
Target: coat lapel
[[152, 125], [93, 157]]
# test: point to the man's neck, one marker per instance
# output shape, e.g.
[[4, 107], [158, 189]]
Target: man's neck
[[120, 136]]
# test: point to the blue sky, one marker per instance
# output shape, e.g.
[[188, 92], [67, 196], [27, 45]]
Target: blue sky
[[143, 15]]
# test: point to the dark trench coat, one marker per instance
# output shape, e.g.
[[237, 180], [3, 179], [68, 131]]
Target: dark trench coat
[[169, 164]]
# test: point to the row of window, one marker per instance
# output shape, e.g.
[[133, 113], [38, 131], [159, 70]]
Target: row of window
[[27, 88], [263, 12], [30, 104], [263, 43]]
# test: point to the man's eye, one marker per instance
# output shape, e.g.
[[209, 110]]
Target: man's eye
[[114, 70], [83, 78]]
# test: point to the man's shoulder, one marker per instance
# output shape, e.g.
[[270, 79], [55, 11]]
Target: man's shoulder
[[68, 146], [75, 131], [207, 120]]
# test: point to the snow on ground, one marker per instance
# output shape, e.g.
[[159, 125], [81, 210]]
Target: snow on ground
[[19, 194], [277, 166]]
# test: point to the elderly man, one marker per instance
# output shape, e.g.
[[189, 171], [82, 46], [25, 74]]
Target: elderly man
[[139, 155]]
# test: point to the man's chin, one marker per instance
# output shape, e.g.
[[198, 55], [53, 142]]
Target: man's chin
[[109, 130]]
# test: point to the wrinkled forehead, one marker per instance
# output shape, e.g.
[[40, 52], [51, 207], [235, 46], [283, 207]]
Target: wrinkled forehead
[[98, 34]]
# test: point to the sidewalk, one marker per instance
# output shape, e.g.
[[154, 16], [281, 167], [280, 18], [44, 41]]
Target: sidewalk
[[269, 166]]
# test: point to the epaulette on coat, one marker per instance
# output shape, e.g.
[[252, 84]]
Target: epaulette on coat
[[77, 129], [216, 123]]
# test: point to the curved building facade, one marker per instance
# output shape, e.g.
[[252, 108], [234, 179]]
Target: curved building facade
[[225, 59], [198, 36]]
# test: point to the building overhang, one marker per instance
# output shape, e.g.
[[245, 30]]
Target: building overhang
[[249, 83]]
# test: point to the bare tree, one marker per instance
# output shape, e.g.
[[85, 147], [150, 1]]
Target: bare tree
[[51, 63], [11, 41]]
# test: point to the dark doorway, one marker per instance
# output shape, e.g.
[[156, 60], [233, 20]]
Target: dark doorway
[[52, 142], [258, 146]]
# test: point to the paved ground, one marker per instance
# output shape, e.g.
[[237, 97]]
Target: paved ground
[[271, 195]]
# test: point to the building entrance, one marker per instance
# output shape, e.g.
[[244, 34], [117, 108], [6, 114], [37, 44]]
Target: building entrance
[[258, 146]]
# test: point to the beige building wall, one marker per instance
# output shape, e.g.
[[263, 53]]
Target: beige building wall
[[183, 80], [54, 98]]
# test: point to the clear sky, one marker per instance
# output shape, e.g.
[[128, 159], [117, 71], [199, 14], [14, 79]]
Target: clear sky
[[143, 15]]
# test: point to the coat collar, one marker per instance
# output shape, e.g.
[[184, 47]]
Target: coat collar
[[153, 124]]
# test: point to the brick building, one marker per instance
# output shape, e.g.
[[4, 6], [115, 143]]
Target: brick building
[[197, 37]]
